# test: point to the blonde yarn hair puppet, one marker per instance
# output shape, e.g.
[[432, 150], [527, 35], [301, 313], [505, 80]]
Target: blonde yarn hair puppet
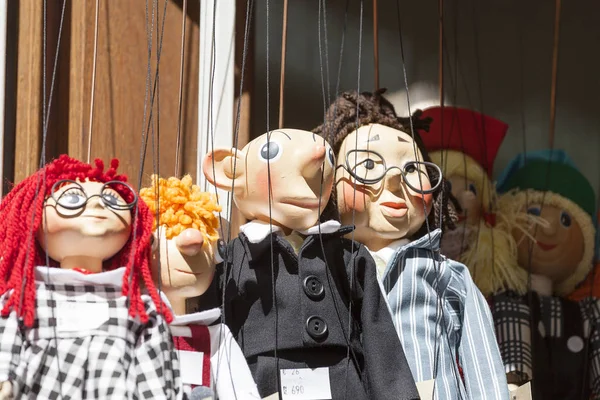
[[464, 144], [542, 335], [188, 233]]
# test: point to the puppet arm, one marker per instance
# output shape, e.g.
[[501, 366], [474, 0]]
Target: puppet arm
[[388, 372], [155, 361], [479, 355], [233, 379], [10, 350]]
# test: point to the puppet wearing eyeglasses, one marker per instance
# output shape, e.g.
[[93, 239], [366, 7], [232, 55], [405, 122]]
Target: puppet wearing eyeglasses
[[543, 336], [386, 186], [81, 316], [303, 301], [211, 361]]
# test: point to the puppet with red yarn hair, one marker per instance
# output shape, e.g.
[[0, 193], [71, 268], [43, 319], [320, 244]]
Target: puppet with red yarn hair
[[80, 315]]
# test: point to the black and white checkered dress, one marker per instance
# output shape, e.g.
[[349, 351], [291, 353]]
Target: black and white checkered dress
[[84, 344]]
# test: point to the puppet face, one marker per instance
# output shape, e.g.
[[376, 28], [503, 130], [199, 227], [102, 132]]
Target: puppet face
[[186, 265], [388, 209], [296, 165], [559, 247], [465, 191], [84, 223]]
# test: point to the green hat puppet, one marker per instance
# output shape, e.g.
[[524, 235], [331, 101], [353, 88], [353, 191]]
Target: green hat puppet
[[561, 248]]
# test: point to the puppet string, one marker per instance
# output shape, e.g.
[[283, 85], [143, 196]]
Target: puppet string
[[180, 98], [92, 98], [376, 43], [283, 53]]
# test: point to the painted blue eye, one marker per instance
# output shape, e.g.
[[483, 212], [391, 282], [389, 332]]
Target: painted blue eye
[[565, 219], [534, 211], [472, 188]]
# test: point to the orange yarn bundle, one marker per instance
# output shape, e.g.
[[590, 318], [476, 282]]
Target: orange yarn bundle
[[182, 205]]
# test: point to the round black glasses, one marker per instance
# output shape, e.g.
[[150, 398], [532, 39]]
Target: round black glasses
[[369, 167], [74, 197]]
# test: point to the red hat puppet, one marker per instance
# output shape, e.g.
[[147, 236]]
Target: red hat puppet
[[464, 143]]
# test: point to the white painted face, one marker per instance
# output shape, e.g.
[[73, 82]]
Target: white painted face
[[297, 167], [81, 229], [389, 209]]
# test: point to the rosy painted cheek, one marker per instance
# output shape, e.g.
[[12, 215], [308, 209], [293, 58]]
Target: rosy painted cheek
[[262, 183], [353, 200], [418, 200]]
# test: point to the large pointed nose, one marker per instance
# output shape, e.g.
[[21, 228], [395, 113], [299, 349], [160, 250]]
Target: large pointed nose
[[314, 161]]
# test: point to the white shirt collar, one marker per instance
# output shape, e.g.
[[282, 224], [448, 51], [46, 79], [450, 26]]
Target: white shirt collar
[[257, 230], [198, 318], [387, 252], [68, 276]]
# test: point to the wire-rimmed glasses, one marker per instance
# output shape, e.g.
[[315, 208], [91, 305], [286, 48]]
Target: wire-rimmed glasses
[[369, 167], [75, 197]]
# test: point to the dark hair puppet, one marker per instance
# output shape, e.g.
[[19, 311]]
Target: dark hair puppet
[[341, 119]]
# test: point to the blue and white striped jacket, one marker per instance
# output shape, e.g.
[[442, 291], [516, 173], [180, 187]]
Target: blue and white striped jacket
[[441, 318]]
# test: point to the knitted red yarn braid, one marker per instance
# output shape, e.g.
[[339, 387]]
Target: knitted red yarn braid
[[21, 218]]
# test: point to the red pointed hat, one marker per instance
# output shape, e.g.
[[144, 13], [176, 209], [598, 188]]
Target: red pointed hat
[[467, 131]]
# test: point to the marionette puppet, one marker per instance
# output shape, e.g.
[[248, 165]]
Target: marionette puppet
[[387, 186], [543, 337], [212, 364], [464, 143], [302, 301], [80, 315]]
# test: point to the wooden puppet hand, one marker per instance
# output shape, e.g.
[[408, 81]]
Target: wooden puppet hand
[[6, 392]]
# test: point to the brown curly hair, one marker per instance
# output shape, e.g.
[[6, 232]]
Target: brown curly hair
[[341, 120]]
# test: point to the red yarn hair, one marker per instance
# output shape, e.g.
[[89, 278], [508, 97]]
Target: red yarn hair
[[21, 214]]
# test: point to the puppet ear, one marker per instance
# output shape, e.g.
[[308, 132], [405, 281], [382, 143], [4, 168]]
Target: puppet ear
[[218, 167]]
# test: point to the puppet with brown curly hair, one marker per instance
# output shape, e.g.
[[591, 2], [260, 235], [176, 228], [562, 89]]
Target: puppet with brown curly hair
[[387, 186]]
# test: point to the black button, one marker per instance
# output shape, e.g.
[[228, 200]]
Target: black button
[[221, 248], [316, 327], [313, 287]]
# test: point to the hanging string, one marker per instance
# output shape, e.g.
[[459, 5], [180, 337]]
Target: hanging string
[[439, 305], [283, 53], [441, 54], [178, 148], [554, 73], [89, 144], [376, 43]]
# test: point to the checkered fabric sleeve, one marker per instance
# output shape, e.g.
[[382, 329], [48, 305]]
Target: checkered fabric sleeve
[[591, 314], [513, 333], [10, 343], [156, 366]]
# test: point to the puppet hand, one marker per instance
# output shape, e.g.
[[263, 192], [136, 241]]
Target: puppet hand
[[189, 242], [6, 390]]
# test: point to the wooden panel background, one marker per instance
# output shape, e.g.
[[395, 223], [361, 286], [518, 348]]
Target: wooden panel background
[[120, 87]]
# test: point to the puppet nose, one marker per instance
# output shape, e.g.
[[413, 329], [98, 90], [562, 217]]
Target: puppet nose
[[549, 229], [315, 161], [189, 242]]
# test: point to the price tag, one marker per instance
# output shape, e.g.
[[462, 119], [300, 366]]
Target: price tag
[[74, 316], [305, 384], [425, 389], [522, 392], [190, 366]]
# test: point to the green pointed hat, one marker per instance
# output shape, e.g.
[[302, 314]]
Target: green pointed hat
[[549, 171]]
